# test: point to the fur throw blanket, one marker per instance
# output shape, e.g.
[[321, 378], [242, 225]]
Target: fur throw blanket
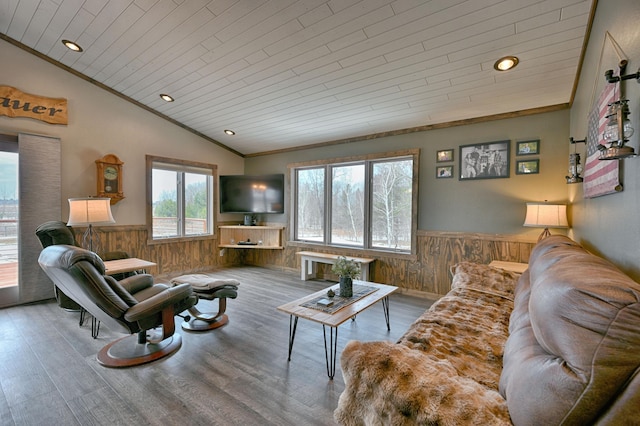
[[445, 369]]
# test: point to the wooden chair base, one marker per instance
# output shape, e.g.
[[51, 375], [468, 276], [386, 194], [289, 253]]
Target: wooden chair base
[[197, 324], [203, 321], [127, 352]]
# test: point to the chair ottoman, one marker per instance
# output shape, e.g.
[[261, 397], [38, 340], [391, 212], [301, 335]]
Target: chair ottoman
[[210, 288]]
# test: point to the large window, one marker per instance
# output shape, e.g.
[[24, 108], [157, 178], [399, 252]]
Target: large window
[[181, 198], [366, 203]]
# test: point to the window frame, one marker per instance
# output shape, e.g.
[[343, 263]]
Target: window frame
[[368, 160], [182, 166]]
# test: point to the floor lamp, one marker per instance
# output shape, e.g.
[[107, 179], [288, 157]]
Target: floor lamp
[[543, 215], [90, 211]]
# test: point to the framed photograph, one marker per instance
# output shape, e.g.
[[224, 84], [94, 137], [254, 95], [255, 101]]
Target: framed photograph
[[527, 167], [443, 172], [485, 160], [531, 147], [444, 156]]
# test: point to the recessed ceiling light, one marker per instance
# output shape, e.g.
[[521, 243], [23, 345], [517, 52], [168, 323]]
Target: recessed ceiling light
[[506, 63], [166, 97], [72, 45], [230, 132]]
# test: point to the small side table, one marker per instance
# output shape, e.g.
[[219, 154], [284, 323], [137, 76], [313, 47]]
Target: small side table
[[129, 264], [510, 266]]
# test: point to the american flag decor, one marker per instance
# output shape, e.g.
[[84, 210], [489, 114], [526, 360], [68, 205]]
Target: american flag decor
[[600, 176]]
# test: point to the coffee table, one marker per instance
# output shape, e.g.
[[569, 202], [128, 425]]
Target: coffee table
[[333, 320]]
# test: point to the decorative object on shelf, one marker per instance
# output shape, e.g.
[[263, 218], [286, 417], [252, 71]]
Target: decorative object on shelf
[[444, 156], [109, 178], [90, 211], [443, 172], [484, 161], [347, 269], [543, 215], [575, 168], [531, 147], [527, 167]]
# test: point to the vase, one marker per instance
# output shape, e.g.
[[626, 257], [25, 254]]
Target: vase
[[346, 286]]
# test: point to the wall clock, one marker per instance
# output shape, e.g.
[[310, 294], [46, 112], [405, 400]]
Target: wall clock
[[109, 177]]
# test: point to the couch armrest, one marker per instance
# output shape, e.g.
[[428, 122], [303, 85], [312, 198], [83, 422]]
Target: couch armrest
[[393, 384], [168, 297]]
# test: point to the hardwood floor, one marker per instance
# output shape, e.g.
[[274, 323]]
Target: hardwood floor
[[237, 374]]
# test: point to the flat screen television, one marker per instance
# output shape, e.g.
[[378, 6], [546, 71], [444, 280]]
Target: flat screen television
[[252, 194]]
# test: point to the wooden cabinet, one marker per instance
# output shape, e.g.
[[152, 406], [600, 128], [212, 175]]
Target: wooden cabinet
[[266, 237]]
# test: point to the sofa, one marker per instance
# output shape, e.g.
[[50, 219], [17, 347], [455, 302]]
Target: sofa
[[558, 344]]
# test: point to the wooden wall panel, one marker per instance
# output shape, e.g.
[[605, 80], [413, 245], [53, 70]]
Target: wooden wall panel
[[428, 271]]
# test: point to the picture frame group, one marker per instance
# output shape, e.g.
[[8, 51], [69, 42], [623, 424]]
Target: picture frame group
[[485, 160]]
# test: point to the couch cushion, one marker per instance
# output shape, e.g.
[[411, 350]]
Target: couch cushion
[[468, 326], [575, 340]]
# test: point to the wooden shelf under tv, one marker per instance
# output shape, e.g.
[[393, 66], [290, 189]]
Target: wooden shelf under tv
[[271, 237]]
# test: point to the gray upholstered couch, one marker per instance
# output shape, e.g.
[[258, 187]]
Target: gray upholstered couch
[[562, 346]]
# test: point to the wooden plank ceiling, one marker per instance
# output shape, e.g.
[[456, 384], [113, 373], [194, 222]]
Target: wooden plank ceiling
[[288, 73]]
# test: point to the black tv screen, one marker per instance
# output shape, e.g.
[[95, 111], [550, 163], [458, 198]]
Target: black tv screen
[[252, 194]]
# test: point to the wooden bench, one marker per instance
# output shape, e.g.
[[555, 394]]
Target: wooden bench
[[308, 260]]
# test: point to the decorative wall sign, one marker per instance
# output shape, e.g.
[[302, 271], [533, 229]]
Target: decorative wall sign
[[484, 160], [14, 103]]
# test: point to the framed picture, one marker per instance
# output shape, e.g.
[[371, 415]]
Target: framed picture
[[444, 172], [527, 167], [485, 161], [531, 147], [444, 156]]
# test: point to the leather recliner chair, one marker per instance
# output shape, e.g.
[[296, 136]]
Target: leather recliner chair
[[133, 305], [52, 233]]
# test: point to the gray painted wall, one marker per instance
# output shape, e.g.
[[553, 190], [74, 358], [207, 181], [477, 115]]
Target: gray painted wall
[[491, 206], [609, 225]]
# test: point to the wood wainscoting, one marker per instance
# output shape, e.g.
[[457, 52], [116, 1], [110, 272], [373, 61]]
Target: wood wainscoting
[[427, 272]]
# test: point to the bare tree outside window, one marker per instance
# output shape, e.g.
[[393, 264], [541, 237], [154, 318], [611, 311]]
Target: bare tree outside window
[[310, 204], [366, 203], [347, 205], [391, 204]]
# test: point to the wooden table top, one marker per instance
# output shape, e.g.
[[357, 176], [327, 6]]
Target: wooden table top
[[119, 266], [342, 315]]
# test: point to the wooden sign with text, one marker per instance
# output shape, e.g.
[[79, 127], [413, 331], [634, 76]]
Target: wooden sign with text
[[14, 103]]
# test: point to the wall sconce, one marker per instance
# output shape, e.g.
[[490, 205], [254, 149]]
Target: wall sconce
[[575, 168], [618, 128], [543, 215]]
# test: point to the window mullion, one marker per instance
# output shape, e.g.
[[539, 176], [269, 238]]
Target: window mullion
[[180, 201], [328, 188]]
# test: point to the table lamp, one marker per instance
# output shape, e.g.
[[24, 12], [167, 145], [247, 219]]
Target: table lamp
[[543, 215], [90, 211]]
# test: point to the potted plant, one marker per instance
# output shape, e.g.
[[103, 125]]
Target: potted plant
[[347, 269]]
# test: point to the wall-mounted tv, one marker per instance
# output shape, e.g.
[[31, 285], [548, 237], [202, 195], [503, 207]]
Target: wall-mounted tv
[[252, 194]]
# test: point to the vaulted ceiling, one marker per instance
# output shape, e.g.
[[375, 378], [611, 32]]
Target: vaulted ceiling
[[290, 73]]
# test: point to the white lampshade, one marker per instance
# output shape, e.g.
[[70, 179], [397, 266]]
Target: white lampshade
[[541, 215], [89, 211]]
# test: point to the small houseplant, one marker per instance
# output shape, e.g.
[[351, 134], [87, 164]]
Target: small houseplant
[[347, 269]]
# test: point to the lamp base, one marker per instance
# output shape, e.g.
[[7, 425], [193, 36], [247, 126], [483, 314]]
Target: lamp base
[[544, 234], [91, 240]]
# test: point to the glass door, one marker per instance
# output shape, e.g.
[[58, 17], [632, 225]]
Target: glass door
[[9, 211]]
